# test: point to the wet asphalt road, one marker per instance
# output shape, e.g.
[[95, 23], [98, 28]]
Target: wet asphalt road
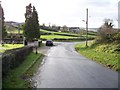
[[63, 67]]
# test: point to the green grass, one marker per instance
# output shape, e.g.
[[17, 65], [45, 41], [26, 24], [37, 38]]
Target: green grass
[[90, 33], [14, 31], [9, 46], [19, 77], [49, 37], [62, 33], [103, 54]]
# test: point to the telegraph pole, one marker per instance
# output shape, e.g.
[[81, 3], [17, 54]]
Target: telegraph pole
[[86, 27], [119, 16]]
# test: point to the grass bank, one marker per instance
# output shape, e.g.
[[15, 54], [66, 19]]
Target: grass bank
[[105, 54], [20, 76]]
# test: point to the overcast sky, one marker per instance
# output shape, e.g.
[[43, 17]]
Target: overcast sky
[[64, 12]]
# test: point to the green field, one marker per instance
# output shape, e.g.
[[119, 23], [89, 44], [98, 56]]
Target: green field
[[64, 35], [104, 54], [49, 37], [60, 33], [15, 31], [9, 46]]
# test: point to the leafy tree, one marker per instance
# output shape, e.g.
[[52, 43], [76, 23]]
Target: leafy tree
[[81, 32], [35, 23], [31, 26], [27, 26], [65, 29], [54, 27]]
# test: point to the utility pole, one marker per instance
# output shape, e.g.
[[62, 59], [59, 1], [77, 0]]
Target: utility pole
[[119, 16], [86, 27]]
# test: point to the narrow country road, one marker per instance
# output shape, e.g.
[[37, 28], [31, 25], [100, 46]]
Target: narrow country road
[[63, 67]]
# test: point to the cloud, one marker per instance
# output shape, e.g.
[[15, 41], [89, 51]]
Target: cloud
[[98, 3], [63, 12]]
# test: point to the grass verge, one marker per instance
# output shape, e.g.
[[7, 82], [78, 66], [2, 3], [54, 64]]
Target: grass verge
[[20, 76], [103, 54]]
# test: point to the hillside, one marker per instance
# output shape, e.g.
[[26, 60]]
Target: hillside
[[12, 27], [106, 54]]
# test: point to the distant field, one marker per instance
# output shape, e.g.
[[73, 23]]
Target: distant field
[[49, 37], [60, 33], [15, 31], [89, 36], [64, 35], [9, 46], [45, 34]]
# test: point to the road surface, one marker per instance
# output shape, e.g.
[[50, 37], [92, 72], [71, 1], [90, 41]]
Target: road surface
[[63, 67]]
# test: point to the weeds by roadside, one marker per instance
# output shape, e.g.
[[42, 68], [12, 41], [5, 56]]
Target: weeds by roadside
[[19, 77]]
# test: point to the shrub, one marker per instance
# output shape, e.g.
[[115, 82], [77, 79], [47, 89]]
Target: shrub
[[106, 31], [13, 58], [117, 36], [10, 40]]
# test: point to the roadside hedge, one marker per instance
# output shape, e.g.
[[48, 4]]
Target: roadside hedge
[[82, 38], [66, 35], [70, 39], [10, 40], [13, 58]]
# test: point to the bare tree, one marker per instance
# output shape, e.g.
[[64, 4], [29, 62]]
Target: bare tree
[[106, 30]]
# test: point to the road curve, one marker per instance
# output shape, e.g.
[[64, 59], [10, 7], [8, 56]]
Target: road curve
[[63, 67]]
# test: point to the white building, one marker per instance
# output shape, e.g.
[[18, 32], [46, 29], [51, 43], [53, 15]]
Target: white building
[[74, 29]]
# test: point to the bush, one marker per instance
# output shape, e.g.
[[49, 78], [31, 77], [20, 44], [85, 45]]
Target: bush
[[10, 40], [114, 38], [13, 58], [106, 31], [117, 36]]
